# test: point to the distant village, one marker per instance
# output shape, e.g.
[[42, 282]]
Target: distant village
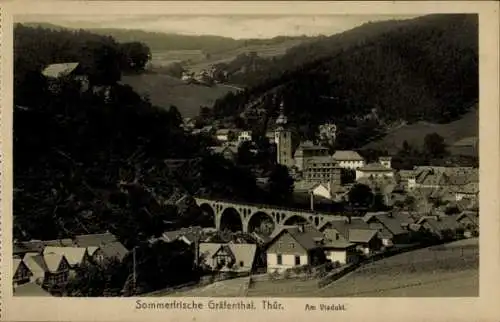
[[445, 208]]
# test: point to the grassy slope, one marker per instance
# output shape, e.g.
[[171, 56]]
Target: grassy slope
[[164, 91], [466, 126], [436, 271], [448, 270]]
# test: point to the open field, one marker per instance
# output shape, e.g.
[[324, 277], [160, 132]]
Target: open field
[[467, 126], [196, 59], [164, 91], [446, 270]]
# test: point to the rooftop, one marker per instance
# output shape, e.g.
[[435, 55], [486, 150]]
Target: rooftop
[[59, 70], [347, 155]]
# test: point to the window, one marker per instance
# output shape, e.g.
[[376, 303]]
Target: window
[[279, 259], [292, 245], [297, 260], [241, 263]]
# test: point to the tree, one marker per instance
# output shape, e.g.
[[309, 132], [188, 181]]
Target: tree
[[360, 195], [95, 280], [135, 56], [280, 185], [245, 156], [434, 145]]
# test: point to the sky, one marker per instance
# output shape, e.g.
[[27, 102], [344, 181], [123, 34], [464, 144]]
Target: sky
[[238, 27]]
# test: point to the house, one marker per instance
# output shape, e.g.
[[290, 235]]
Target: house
[[295, 246], [223, 135], [355, 230], [442, 227], [47, 269], [393, 228], [348, 159], [230, 256], [340, 251], [406, 178], [245, 136], [467, 191], [228, 151], [55, 73], [374, 170], [385, 161], [21, 273], [469, 220], [75, 256]]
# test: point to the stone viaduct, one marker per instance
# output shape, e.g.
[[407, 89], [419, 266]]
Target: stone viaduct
[[248, 215]]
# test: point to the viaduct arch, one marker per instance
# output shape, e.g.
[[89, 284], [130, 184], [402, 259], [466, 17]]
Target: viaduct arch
[[268, 219]]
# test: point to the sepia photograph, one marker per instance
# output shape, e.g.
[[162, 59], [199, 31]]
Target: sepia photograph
[[248, 156]]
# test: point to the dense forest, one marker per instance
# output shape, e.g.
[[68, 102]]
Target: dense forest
[[85, 165], [378, 75]]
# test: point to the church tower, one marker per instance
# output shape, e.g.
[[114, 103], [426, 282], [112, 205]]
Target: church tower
[[283, 139]]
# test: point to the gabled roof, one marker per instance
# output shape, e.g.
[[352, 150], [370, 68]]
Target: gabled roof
[[440, 223], [241, 252], [309, 145], [347, 155], [222, 131], [307, 238], [59, 70], [393, 222], [16, 262], [338, 244], [38, 263], [320, 159], [471, 215], [114, 250], [95, 240], [74, 255], [361, 235]]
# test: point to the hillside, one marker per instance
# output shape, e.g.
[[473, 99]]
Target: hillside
[[422, 69], [160, 42], [164, 91], [465, 127]]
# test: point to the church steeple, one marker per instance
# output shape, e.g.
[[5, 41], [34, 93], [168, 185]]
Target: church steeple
[[283, 139], [282, 119]]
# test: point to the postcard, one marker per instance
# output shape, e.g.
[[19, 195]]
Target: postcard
[[249, 160]]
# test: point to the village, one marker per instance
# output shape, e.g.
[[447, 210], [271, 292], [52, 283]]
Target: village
[[425, 206]]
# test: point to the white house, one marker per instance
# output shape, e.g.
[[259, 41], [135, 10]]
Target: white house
[[292, 247], [222, 135], [374, 170], [245, 136], [348, 159]]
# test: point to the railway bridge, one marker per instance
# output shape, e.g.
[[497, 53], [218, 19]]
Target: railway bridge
[[248, 217]]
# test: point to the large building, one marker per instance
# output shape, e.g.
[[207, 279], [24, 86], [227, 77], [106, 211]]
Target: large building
[[321, 169], [283, 140], [307, 150]]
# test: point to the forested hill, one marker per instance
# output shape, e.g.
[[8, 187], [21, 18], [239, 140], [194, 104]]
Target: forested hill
[[159, 41], [85, 164], [420, 69]]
